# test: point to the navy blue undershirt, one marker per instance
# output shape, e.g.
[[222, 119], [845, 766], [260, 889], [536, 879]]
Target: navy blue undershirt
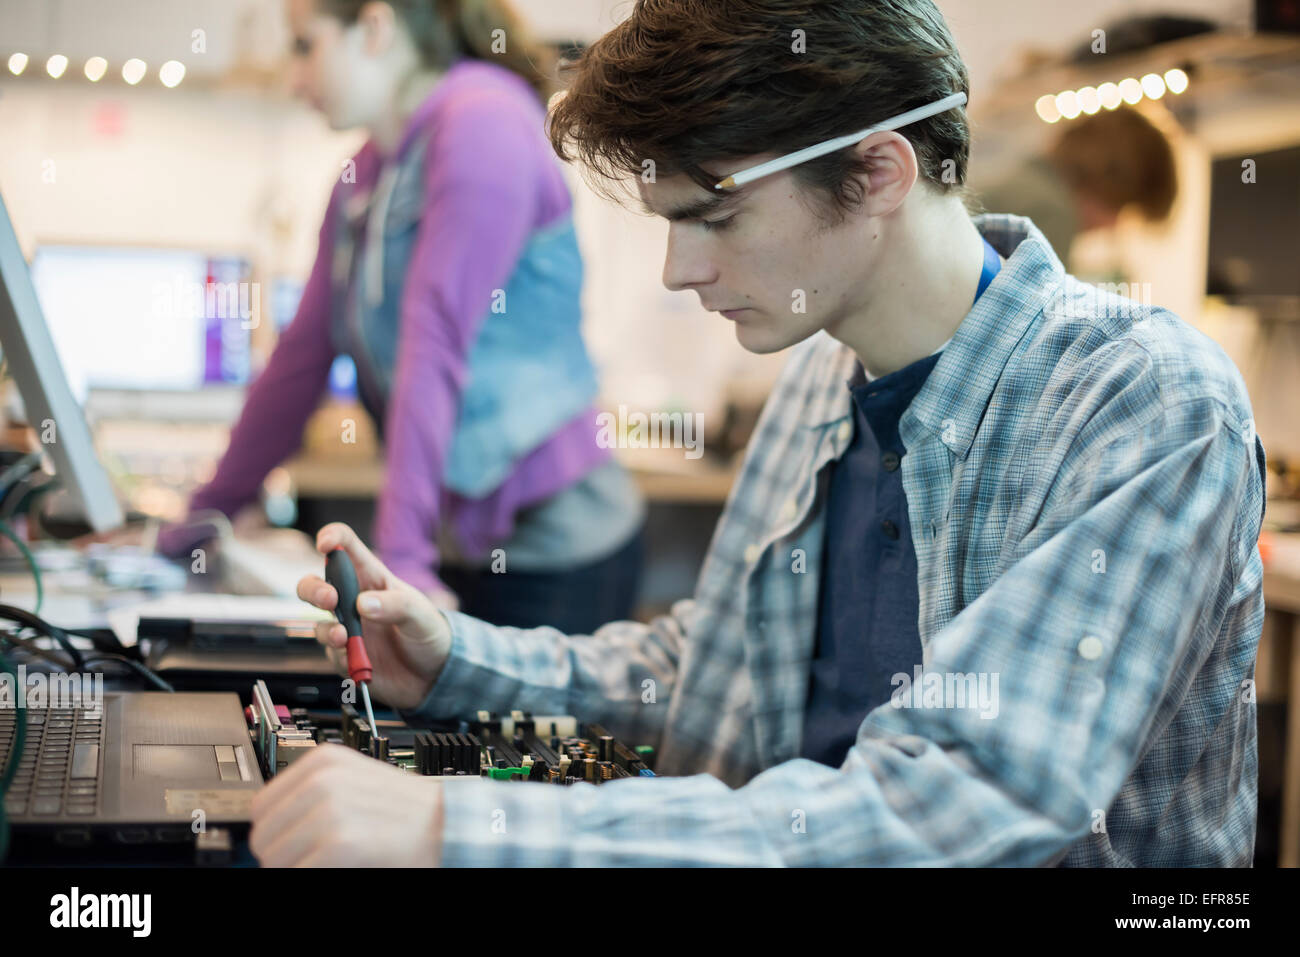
[[867, 618]]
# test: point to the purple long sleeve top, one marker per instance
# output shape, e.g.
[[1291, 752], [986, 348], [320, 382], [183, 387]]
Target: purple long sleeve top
[[491, 181]]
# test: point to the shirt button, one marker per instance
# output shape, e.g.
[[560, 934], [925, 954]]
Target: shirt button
[[1090, 648], [890, 461], [846, 431], [789, 510], [751, 553], [889, 529]]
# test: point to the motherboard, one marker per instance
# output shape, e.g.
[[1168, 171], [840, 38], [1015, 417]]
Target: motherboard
[[550, 749]]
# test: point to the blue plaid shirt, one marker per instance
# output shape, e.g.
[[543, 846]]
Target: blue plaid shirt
[[1085, 491]]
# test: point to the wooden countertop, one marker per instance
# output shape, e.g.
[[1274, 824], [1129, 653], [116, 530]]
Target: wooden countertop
[[664, 475]]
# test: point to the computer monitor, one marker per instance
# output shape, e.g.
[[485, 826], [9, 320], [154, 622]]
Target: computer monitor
[[34, 364], [1255, 231], [127, 318]]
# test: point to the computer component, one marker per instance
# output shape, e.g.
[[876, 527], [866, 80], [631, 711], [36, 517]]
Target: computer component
[[215, 654], [518, 747], [297, 673], [59, 770], [143, 768], [278, 740], [49, 404], [131, 318]]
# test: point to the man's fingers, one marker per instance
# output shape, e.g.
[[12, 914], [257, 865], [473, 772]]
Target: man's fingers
[[443, 598], [287, 799], [316, 591], [331, 634], [282, 789], [398, 607], [371, 572], [292, 838], [333, 637]]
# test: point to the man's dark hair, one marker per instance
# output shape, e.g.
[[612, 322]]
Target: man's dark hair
[[689, 82]]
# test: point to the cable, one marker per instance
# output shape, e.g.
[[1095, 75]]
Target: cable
[[32, 648], [27, 492], [138, 668], [103, 639], [18, 473], [15, 755], [31, 620], [10, 534], [20, 468], [29, 646]]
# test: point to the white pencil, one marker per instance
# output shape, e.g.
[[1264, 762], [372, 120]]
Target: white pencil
[[830, 146]]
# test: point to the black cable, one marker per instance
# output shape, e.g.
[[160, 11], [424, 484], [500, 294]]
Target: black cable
[[28, 557], [15, 755], [19, 469], [138, 668], [104, 639], [33, 649], [25, 617], [25, 492]]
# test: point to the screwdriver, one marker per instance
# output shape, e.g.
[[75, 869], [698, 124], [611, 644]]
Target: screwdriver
[[340, 573]]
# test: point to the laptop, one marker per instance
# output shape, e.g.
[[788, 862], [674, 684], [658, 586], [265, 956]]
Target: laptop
[[195, 654], [147, 768]]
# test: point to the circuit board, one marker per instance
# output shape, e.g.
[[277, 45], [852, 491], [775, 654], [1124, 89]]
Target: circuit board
[[553, 749]]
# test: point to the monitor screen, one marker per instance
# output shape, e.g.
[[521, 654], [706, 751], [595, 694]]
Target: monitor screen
[[1255, 226], [49, 406], [147, 319]]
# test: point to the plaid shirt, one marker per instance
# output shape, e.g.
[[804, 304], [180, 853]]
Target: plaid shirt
[[1085, 492]]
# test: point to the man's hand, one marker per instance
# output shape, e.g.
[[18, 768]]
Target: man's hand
[[407, 638], [444, 599], [338, 808]]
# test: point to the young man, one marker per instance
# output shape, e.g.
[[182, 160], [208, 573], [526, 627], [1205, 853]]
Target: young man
[[987, 590]]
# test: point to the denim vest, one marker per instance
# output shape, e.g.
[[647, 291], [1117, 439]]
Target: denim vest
[[528, 368]]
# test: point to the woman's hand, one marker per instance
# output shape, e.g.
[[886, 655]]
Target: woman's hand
[[407, 638]]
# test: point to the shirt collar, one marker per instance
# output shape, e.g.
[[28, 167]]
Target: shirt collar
[[866, 375], [955, 396], [961, 384]]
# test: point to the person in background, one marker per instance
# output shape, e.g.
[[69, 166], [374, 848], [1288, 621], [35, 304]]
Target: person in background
[[1096, 168], [1113, 160], [449, 270]]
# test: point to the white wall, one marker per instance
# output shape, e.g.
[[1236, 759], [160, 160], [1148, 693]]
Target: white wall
[[166, 167], [247, 172]]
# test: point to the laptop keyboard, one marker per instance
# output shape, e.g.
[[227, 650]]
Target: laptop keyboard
[[60, 768]]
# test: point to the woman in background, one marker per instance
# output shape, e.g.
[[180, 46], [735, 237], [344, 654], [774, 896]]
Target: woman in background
[[448, 269]]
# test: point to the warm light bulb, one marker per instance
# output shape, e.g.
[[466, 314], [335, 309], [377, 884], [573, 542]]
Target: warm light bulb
[[96, 67], [1153, 86], [1045, 107], [17, 63], [55, 65], [1067, 104], [171, 73], [133, 70]]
